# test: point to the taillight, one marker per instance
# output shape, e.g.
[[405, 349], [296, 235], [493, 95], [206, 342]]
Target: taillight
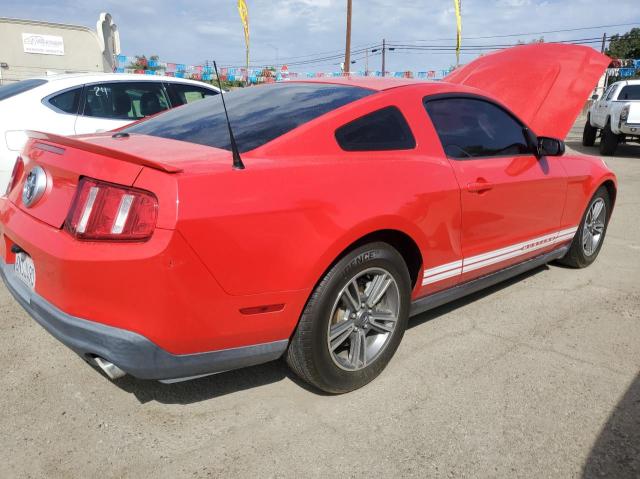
[[16, 174], [104, 211]]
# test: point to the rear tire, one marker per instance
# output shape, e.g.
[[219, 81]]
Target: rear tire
[[589, 133], [589, 238], [609, 140], [347, 336]]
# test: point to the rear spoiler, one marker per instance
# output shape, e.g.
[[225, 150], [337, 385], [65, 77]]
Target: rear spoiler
[[90, 147]]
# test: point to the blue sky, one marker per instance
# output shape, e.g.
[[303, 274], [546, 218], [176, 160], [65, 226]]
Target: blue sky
[[195, 31]]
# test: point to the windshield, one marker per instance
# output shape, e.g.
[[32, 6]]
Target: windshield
[[12, 89], [630, 92], [258, 114]]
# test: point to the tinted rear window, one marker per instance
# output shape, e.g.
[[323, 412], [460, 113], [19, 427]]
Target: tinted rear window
[[258, 114], [67, 101], [630, 92], [12, 89], [385, 129]]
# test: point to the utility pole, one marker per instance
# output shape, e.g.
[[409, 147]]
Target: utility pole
[[366, 62], [384, 49], [604, 41], [347, 49]]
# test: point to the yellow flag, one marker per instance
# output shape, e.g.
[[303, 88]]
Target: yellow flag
[[244, 16], [456, 4]]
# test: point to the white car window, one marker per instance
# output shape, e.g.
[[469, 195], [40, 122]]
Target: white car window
[[12, 89], [125, 100], [612, 90], [67, 101]]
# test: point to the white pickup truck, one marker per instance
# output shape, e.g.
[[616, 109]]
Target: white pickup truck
[[616, 114]]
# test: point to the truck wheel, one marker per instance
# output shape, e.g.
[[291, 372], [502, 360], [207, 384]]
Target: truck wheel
[[590, 235], [589, 133], [353, 321], [609, 140]]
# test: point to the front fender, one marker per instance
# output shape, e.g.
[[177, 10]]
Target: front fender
[[585, 175]]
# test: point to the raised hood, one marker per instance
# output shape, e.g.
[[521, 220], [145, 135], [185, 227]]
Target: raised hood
[[546, 84]]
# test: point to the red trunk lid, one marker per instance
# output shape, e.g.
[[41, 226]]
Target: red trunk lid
[[103, 157]]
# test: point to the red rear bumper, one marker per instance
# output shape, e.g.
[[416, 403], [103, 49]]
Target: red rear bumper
[[158, 289]]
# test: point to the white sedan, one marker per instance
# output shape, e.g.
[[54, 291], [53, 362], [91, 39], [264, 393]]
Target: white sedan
[[73, 104]]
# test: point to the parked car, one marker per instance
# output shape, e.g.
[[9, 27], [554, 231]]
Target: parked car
[[615, 116], [347, 205], [73, 104]]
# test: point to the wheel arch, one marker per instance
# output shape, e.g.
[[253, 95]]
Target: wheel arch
[[398, 239], [401, 242], [612, 190]]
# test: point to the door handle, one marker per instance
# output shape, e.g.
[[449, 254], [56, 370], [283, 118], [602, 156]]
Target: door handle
[[479, 186]]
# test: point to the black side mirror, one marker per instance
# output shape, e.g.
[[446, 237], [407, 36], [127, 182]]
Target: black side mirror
[[550, 146], [594, 96]]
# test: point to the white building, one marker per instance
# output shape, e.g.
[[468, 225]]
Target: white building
[[32, 48]]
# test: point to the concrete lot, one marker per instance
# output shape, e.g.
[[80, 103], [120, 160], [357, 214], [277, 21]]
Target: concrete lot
[[538, 377]]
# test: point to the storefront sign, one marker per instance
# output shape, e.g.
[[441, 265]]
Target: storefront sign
[[42, 44]]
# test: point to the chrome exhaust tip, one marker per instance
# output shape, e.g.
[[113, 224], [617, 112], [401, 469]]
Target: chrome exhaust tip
[[111, 370]]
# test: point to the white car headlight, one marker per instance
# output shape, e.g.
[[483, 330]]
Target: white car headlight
[[16, 139]]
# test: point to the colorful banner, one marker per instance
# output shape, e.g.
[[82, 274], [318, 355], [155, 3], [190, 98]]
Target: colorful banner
[[262, 75]]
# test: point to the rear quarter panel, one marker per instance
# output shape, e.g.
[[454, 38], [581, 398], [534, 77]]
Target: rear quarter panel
[[279, 224]]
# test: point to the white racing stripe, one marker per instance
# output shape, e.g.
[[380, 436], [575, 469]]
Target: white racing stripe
[[472, 263]]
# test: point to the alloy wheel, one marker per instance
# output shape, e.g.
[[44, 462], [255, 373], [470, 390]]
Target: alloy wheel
[[363, 319], [593, 228]]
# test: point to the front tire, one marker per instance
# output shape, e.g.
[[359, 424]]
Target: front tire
[[354, 320], [589, 133], [590, 235], [609, 140]]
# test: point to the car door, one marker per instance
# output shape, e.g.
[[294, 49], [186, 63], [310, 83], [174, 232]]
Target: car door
[[107, 106], [602, 107], [511, 201]]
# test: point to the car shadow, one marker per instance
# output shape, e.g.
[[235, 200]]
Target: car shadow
[[217, 385], [627, 150], [449, 307], [210, 387], [616, 452]]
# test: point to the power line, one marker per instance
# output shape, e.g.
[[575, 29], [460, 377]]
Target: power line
[[280, 60], [526, 34], [403, 48]]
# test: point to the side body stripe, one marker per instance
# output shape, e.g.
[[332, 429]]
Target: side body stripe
[[455, 268]]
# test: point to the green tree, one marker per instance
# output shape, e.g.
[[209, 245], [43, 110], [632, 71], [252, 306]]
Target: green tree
[[625, 46], [142, 63]]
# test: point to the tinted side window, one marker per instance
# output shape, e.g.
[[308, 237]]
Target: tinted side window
[[125, 100], [471, 128], [612, 91], [385, 129], [183, 93], [630, 92], [67, 101]]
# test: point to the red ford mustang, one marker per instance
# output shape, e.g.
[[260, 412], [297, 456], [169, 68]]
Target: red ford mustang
[[361, 202]]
